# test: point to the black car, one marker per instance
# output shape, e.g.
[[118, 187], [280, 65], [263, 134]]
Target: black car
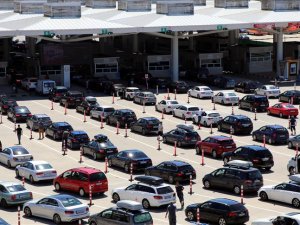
[[220, 210], [254, 102], [233, 177], [124, 159], [288, 95], [123, 116], [274, 134], [172, 171], [246, 86], [179, 86], [261, 157], [71, 99], [6, 103], [34, 121], [77, 138], [87, 105], [145, 125], [57, 92], [18, 114], [224, 82], [183, 135], [99, 148], [55, 130], [236, 124]]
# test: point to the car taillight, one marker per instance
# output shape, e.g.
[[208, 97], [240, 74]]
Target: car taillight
[[256, 160], [149, 126], [232, 214], [188, 113], [227, 99], [194, 171], [18, 115], [187, 138], [73, 140], [54, 171], [180, 174], [39, 173], [87, 209], [68, 212], [29, 114], [157, 197], [57, 94], [274, 135], [15, 159], [30, 193], [239, 123], [123, 118], [248, 182], [101, 151], [5, 106], [13, 197]]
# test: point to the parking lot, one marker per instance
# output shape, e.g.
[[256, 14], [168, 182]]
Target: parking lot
[[50, 150]]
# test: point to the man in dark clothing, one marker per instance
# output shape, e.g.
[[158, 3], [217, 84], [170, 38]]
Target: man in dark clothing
[[41, 130], [171, 212], [19, 133], [65, 136], [293, 124], [179, 192]]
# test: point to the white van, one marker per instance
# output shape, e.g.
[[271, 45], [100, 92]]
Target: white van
[[43, 87]]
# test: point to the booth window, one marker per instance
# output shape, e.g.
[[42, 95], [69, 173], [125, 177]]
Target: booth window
[[106, 68], [209, 63], [223, 47], [161, 65], [2, 71], [50, 70], [260, 57]]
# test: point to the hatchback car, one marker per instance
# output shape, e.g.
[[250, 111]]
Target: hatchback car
[[121, 116], [183, 135], [124, 159], [145, 125], [179, 86], [59, 208], [56, 130], [261, 157], [36, 120], [145, 98], [268, 90], [172, 171], [57, 92], [18, 114], [87, 105], [246, 86], [283, 110], [254, 102], [294, 141], [80, 179], [15, 155], [220, 210], [130, 92], [125, 211], [207, 118], [77, 138], [6, 103], [233, 177], [274, 134], [287, 96], [225, 98], [101, 111], [185, 111], [99, 148], [166, 106], [200, 92], [236, 124], [71, 99], [12, 193], [215, 145]]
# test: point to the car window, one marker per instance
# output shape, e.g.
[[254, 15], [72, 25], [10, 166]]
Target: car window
[[164, 190], [230, 173], [142, 218], [220, 172], [43, 201], [219, 206], [161, 166], [120, 216], [206, 205], [3, 189], [97, 176], [52, 202], [132, 187], [67, 174], [15, 188], [145, 189], [70, 201], [226, 119], [43, 166], [106, 214], [281, 186]]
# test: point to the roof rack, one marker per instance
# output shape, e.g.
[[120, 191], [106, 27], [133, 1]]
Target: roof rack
[[295, 178], [151, 180], [240, 164], [185, 127], [129, 205]]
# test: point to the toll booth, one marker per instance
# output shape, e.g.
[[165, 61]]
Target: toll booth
[[212, 61], [159, 65], [289, 69]]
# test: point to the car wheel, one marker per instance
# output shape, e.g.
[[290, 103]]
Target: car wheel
[[290, 145], [190, 215], [94, 156], [280, 115], [198, 150], [296, 202], [179, 144], [110, 163], [214, 154], [31, 179], [219, 128], [183, 116], [205, 124], [81, 192], [143, 132], [17, 173], [270, 141], [206, 184], [171, 179], [146, 204], [57, 187], [292, 170], [237, 190], [267, 168], [222, 221], [263, 196], [126, 168], [56, 219], [164, 140], [268, 112], [54, 136], [164, 111], [198, 96], [193, 120], [115, 197], [8, 164], [254, 138], [226, 160], [173, 114], [3, 203], [222, 102], [27, 211]]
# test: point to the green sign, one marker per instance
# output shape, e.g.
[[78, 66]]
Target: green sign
[[48, 34], [219, 27], [104, 31], [163, 30]]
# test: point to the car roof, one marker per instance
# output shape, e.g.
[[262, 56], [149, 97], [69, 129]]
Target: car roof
[[211, 111], [88, 170], [295, 215], [255, 147], [132, 150], [221, 137], [149, 118], [16, 147], [257, 96], [75, 92], [240, 116], [224, 201], [105, 106], [8, 183], [61, 197], [78, 132], [189, 106], [178, 163], [132, 88], [38, 162], [275, 126], [125, 110], [62, 123], [227, 92], [41, 115]]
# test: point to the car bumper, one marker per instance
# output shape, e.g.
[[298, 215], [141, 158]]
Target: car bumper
[[157, 203], [244, 130], [75, 217], [137, 167], [17, 202], [238, 220], [36, 178], [21, 119], [150, 102], [263, 165]]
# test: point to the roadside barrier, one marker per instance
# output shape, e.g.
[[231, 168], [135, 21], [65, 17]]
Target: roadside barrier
[[198, 215], [175, 93], [105, 165], [158, 142], [264, 140], [23, 181], [84, 116], [117, 127], [211, 129], [162, 114], [202, 157], [19, 215], [113, 98], [81, 154], [144, 111], [242, 194], [255, 111], [30, 134], [101, 122], [52, 105], [126, 135], [90, 196], [131, 172], [232, 110], [191, 185], [168, 96]]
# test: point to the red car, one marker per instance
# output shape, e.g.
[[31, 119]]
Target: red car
[[80, 179], [216, 145], [283, 110]]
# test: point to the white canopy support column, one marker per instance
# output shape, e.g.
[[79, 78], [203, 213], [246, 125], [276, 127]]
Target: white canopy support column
[[279, 51], [174, 51]]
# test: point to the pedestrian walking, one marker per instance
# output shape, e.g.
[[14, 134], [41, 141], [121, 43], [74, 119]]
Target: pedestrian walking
[[41, 130], [160, 128], [293, 124], [171, 213], [179, 191], [19, 133], [65, 136]]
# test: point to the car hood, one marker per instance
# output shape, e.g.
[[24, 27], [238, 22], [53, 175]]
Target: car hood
[[32, 202], [118, 189], [267, 187], [264, 221]]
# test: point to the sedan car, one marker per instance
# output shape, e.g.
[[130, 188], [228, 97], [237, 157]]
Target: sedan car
[[254, 102], [283, 110], [99, 148], [6, 103], [15, 155], [268, 90], [59, 208], [207, 118], [101, 111], [294, 141], [87, 105], [226, 98], [166, 106], [12, 193], [292, 218], [145, 98], [246, 86], [56, 130], [145, 125], [77, 138], [287, 96], [273, 134], [200, 92], [36, 120], [57, 92], [18, 114], [71, 99], [185, 111], [36, 171], [220, 211]]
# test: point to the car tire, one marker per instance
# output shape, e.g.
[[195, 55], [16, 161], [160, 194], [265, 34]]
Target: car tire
[[254, 138], [198, 150], [110, 163], [3, 203], [268, 112], [81, 192], [205, 124], [222, 221], [164, 140], [115, 197], [190, 216], [164, 111], [8, 164], [183, 116], [57, 186], [237, 190], [296, 202], [194, 121], [146, 204], [179, 144], [92, 223], [171, 179], [280, 115], [226, 160], [292, 170], [206, 184], [263, 196], [27, 212], [143, 132], [214, 154], [222, 102], [95, 156], [56, 219], [173, 113], [290, 145], [219, 127], [31, 179], [54, 136], [126, 168], [17, 173], [198, 96]]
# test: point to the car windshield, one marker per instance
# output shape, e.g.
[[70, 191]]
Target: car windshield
[[205, 89], [164, 190], [10, 102], [22, 110], [230, 94], [137, 155], [252, 85], [20, 151], [289, 106], [272, 87], [65, 127], [97, 176], [226, 142], [193, 109], [68, 202], [109, 109], [281, 130], [93, 102], [173, 102], [44, 166], [153, 122], [142, 218], [237, 207], [15, 188], [214, 115], [33, 80], [81, 136], [44, 119], [263, 153], [105, 144], [49, 85], [181, 83]]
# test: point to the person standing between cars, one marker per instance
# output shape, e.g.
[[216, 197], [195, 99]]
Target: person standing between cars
[[41, 130], [179, 191], [19, 131], [293, 124], [160, 129], [65, 136], [171, 213]]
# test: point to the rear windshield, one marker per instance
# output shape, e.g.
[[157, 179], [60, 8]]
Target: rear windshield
[[45, 166], [137, 155], [245, 120], [61, 90], [49, 85], [142, 218], [193, 109], [252, 85], [281, 130], [173, 102], [22, 110], [192, 134], [272, 87], [205, 89], [97, 176], [109, 109], [65, 127], [263, 153], [186, 168], [81, 136], [20, 151], [129, 113], [68, 202], [150, 95], [261, 99], [15, 188], [76, 95], [290, 106], [226, 142], [214, 115], [44, 119], [153, 121], [237, 207], [181, 83], [254, 175], [164, 190]]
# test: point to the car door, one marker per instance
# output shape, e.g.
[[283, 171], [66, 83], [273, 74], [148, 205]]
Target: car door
[[3, 192], [23, 170], [66, 177], [249, 102], [260, 132], [50, 130], [5, 155], [226, 124], [129, 193], [160, 170], [236, 154], [276, 109], [217, 178], [120, 218], [206, 144], [119, 159], [41, 208], [51, 208], [105, 217], [205, 211], [277, 193], [88, 148], [162, 105], [286, 96], [136, 125]]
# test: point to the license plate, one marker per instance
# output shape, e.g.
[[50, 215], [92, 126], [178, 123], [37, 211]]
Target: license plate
[[246, 125], [242, 214], [80, 211], [228, 146], [98, 184], [24, 115], [143, 162], [109, 151], [262, 105], [167, 197], [292, 111], [281, 135], [188, 174], [265, 159], [155, 127]]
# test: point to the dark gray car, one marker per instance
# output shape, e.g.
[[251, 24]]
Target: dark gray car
[[34, 121]]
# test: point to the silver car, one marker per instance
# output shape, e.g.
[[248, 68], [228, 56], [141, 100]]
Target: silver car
[[34, 121], [12, 193], [15, 155], [166, 106], [103, 111], [59, 208], [145, 97]]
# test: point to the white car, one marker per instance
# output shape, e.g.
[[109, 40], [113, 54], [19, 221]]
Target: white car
[[166, 106], [15, 155], [185, 111], [130, 92], [59, 208], [293, 165], [268, 90], [207, 118], [29, 83], [36, 171], [103, 110], [226, 98], [292, 218], [200, 92], [148, 193]]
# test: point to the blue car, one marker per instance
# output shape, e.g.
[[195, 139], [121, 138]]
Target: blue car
[[274, 134], [77, 138]]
